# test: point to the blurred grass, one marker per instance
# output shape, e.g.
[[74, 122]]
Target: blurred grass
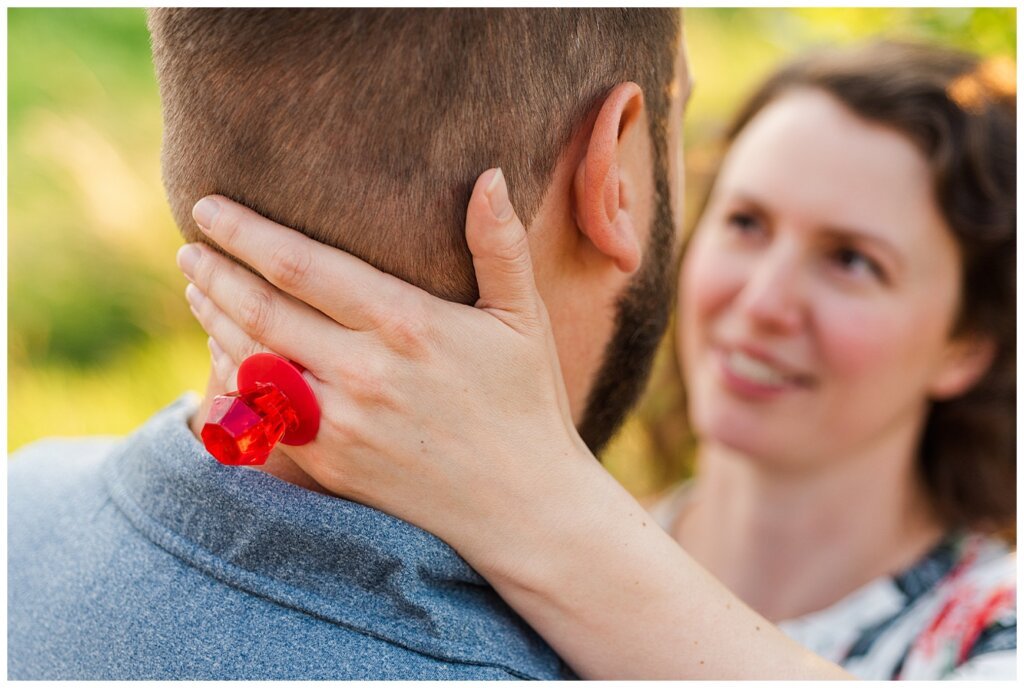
[[99, 336], [62, 399]]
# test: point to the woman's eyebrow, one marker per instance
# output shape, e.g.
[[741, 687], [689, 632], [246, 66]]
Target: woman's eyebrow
[[748, 198]]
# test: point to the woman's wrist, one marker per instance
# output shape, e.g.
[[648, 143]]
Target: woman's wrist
[[589, 569], [578, 518], [527, 546], [575, 560]]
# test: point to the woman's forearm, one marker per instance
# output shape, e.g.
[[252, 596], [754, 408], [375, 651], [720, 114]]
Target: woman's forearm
[[492, 464], [618, 598]]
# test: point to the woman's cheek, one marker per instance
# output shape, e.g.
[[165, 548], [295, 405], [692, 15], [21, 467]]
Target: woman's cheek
[[710, 277], [865, 342], [692, 306], [709, 282]]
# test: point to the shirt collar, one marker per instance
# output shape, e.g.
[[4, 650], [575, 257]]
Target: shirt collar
[[333, 558]]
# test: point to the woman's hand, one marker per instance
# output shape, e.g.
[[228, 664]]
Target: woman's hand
[[434, 412], [456, 419]]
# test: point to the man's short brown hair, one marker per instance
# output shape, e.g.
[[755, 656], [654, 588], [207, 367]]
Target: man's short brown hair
[[366, 129]]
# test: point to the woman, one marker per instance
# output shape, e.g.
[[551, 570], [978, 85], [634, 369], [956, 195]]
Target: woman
[[847, 339]]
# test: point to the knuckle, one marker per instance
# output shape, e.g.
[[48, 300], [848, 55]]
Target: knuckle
[[515, 255], [255, 310], [343, 431], [290, 265], [366, 383], [407, 329], [228, 226]]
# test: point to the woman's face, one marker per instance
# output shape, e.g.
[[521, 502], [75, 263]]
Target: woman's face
[[819, 291]]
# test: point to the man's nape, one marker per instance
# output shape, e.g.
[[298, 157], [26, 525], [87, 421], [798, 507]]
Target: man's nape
[[360, 152], [145, 558]]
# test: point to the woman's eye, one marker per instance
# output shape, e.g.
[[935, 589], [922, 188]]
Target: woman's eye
[[855, 262], [745, 223]]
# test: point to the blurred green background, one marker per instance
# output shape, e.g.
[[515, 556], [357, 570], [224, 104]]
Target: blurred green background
[[99, 335]]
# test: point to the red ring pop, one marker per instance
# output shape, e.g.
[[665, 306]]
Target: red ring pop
[[274, 403]]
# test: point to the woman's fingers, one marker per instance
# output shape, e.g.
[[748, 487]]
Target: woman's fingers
[[260, 311], [224, 368], [229, 344], [232, 340], [501, 254], [350, 291], [504, 270], [313, 278]]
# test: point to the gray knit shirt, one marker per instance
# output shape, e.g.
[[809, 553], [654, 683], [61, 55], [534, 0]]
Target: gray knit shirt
[[144, 558]]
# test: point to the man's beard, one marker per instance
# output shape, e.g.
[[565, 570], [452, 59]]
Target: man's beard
[[642, 316]]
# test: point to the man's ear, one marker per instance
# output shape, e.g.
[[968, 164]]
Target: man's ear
[[603, 209], [966, 361]]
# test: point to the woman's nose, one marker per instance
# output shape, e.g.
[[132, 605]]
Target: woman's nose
[[773, 296]]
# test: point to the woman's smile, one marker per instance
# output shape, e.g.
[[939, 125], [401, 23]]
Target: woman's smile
[[754, 375]]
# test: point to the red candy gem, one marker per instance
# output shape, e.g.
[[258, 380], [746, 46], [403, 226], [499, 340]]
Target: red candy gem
[[244, 427], [274, 404]]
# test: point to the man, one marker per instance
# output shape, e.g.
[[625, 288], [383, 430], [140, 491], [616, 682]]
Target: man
[[364, 129]]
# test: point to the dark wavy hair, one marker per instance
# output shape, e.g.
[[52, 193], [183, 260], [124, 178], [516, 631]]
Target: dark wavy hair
[[960, 110]]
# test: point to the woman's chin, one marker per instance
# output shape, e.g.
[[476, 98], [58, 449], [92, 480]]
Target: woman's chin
[[737, 443], [756, 440]]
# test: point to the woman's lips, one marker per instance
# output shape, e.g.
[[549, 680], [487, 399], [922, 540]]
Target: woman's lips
[[752, 376]]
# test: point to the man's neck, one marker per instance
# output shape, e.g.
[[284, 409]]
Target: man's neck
[[792, 544], [278, 464]]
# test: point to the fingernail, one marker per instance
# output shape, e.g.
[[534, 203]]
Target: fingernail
[[497, 194], [188, 256], [205, 212], [194, 295]]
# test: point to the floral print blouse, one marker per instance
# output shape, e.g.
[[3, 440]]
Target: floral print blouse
[[952, 615]]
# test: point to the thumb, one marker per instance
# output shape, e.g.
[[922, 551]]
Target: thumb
[[501, 252]]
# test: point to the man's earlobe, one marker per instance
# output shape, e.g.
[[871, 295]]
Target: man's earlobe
[[603, 209]]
